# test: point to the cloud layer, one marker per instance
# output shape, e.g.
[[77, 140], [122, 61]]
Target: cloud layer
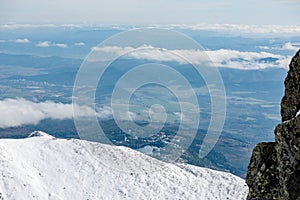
[[51, 44], [24, 40], [243, 28], [18, 112], [79, 44], [221, 58], [288, 46], [233, 28]]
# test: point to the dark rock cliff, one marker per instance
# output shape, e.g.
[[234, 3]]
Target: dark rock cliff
[[274, 170], [290, 103]]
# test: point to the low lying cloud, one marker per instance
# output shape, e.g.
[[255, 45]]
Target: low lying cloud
[[247, 60], [244, 28], [51, 44], [24, 40], [18, 112], [233, 28], [18, 26], [226, 58], [79, 44], [288, 46], [18, 40], [291, 46]]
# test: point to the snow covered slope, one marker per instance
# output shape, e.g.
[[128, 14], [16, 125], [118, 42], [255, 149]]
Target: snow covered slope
[[43, 167]]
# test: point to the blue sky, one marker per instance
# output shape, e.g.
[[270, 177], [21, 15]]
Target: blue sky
[[141, 12]]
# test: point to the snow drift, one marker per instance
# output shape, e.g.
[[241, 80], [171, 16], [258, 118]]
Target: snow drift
[[44, 167]]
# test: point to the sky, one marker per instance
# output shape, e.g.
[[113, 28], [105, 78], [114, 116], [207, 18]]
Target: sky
[[141, 12]]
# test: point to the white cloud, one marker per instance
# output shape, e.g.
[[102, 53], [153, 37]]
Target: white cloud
[[79, 44], [221, 58], [247, 60], [43, 44], [263, 47], [104, 112], [1, 41], [59, 45], [290, 46], [233, 28], [17, 26], [17, 112], [51, 44], [243, 28], [180, 115], [286, 46], [24, 40], [115, 49]]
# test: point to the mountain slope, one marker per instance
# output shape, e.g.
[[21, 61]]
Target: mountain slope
[[44, 167]]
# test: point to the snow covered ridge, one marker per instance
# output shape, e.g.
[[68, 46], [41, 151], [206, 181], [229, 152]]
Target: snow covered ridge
[[39, 134], [43, 167]]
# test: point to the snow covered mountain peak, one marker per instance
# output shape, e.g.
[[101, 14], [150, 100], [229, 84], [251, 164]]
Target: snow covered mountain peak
[[46, 168], [39, 134]]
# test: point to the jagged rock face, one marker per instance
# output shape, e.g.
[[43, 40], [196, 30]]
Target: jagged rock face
[[290, 103], [288, 158], [262, 178], [274, 170]]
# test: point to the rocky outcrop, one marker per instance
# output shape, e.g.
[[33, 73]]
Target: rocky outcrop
[[288, 158], [274, 170], [290, 103], [262, 178]]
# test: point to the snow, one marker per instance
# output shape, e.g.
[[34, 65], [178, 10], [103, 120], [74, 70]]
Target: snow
[[39, 134], [44, 167]]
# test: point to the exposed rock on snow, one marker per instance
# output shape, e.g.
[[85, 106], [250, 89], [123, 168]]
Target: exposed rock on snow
[[39, 134]]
